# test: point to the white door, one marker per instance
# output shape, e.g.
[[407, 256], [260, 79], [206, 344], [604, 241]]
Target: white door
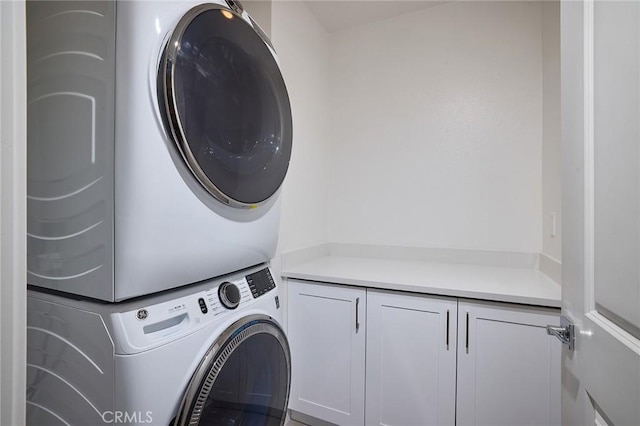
[[327, 338], [411, 359], [601, 207]]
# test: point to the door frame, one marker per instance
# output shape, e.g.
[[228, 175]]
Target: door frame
[[13, 207]]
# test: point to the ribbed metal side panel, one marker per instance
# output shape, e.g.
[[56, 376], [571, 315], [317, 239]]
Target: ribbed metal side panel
[[70, 366], [70, 144]]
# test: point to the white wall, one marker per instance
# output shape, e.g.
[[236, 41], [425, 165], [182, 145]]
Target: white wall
[[260, 11], [436, 129], [551, 152], [303, 48]]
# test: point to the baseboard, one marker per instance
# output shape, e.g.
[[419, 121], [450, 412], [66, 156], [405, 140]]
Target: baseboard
[[307, 420]]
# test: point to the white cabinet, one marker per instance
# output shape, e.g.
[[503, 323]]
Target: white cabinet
[[327, 336], [508, 367], [411, 359], [429, 360]]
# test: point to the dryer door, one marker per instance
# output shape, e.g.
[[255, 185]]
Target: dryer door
[[244, 378], [226, 106]]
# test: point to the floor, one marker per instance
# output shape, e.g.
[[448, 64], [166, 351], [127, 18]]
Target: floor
[[289, 422]]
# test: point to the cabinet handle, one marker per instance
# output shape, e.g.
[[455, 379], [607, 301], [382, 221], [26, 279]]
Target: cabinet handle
[[467, 336], [357, 317], [447, 329]]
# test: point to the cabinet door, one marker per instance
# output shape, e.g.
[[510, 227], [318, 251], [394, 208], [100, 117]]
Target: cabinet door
[[327, 338], [508, 367], [411, 359]]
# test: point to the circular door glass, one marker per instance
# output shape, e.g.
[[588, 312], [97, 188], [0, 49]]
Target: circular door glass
[[226, 105], [244, 381]]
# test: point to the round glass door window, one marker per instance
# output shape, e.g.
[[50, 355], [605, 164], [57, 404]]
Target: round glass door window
[[244, 378], [226, 105]]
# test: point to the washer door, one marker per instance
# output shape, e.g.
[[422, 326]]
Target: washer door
[[226, 106], [244, 378]]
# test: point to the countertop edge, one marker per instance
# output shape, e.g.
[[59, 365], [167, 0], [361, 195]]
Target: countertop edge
[[479, 295]]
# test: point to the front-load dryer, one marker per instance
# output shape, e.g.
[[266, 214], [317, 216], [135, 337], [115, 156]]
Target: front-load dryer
[[209, 354], [159, 134]]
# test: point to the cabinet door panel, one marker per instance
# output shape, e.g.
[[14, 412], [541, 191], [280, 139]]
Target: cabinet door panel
[[327, 351], [410, 368], [508, 367]]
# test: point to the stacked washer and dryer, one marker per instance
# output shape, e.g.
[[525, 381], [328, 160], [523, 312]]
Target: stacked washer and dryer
[[159, 134]]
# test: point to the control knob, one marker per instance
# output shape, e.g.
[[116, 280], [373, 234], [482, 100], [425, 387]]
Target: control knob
[[229, 295]]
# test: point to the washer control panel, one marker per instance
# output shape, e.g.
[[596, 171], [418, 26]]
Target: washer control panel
[[260, 282], [228, 295], [149, 325]]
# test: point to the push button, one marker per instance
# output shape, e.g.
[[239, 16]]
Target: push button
[[203, 306]]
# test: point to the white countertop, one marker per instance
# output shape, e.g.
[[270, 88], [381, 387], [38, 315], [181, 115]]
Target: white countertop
[[495, 283]]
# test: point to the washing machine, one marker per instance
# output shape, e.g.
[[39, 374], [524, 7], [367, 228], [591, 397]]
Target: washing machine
[[209, 354], [159, 134]]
